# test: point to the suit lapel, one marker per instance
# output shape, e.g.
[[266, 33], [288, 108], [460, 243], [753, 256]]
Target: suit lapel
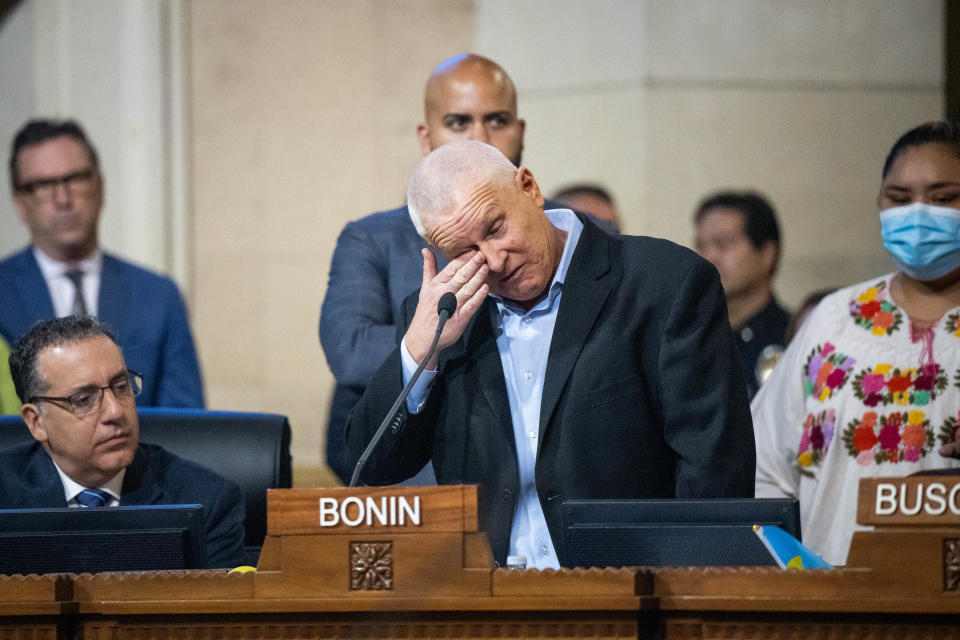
[[588, 283], [111, 297], [31, 289], [140, 485], [43, 487]]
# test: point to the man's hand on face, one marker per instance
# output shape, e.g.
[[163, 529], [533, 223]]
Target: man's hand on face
[[464, 277]]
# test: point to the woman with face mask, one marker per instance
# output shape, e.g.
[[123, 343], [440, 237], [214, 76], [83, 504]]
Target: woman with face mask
[[870, 386]]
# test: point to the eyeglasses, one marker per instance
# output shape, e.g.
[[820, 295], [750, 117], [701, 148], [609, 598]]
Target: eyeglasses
[[86, 401], [79, 183]]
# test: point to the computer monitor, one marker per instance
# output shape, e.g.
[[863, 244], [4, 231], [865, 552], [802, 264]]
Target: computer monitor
[[138, 538], [673, 533]]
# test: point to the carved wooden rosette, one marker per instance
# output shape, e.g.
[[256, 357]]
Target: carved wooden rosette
[[371, 566], [951, 564]]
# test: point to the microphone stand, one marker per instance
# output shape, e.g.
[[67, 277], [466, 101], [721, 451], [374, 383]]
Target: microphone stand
[[445, 308]]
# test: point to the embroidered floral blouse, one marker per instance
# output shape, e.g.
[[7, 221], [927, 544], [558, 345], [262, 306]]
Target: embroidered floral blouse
[[860, 392]]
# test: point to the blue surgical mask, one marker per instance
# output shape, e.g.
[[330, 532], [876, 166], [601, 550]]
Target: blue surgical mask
[[923, 240]]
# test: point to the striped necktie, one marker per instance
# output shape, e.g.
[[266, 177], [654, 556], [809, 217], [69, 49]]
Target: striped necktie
[[93, 498]]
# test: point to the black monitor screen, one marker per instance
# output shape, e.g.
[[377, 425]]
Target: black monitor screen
[[672, 533], [79, 540]]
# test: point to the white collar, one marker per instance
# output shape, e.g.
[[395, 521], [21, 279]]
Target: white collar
[[52, 268], [71, 488]]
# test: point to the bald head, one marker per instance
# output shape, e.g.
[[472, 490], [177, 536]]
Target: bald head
[[443, 179], [469, 97], [467, 68], [467, 197]]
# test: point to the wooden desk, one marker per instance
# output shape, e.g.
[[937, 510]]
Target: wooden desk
[[613, 603], [440, 583]]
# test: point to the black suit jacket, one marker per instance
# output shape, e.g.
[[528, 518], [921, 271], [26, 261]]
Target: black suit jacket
[[376, 265], [643, 396], [156, 476]]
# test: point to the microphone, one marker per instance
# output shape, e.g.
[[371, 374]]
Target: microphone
[[445, 308], [447, 305]]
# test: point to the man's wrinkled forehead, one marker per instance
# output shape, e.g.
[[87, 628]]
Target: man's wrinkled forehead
[[468, 205]]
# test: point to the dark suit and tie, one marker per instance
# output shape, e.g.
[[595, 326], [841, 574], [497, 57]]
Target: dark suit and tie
[[79, 403], [30, 481]]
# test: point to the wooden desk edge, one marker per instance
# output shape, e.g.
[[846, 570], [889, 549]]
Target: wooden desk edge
[[359, 605]]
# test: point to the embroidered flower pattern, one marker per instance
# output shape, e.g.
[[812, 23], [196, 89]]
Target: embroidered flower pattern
[[886, 385], [825, 372], [872, 310], [948, 430], [951, 325], [817, 435], [898, 437]]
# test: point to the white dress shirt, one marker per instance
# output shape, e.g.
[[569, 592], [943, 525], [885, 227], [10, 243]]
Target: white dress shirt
[[61, 289], [72, 489]]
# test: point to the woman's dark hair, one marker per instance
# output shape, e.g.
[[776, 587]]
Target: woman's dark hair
[[942, 132]]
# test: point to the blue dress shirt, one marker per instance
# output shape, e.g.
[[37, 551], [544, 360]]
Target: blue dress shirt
[[523, 340]]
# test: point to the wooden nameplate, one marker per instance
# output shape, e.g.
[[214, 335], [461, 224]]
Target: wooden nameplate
[[915, 543], [383, 542]]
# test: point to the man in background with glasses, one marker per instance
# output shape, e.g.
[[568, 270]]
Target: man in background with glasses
[[58, 193], [79, 404]]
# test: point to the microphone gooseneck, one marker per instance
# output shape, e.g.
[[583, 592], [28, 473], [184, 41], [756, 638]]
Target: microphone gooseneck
[[445, 308]]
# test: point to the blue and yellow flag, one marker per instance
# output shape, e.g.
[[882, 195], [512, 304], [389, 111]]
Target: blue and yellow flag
[[787, 550]]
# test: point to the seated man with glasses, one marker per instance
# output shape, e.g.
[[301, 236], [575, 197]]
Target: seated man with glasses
[[79, 404], [58, 192]]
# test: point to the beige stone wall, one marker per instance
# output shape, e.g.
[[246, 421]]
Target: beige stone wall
[[303, 115], [667, 100], [303, 118], [106, 63], [801, 100]]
